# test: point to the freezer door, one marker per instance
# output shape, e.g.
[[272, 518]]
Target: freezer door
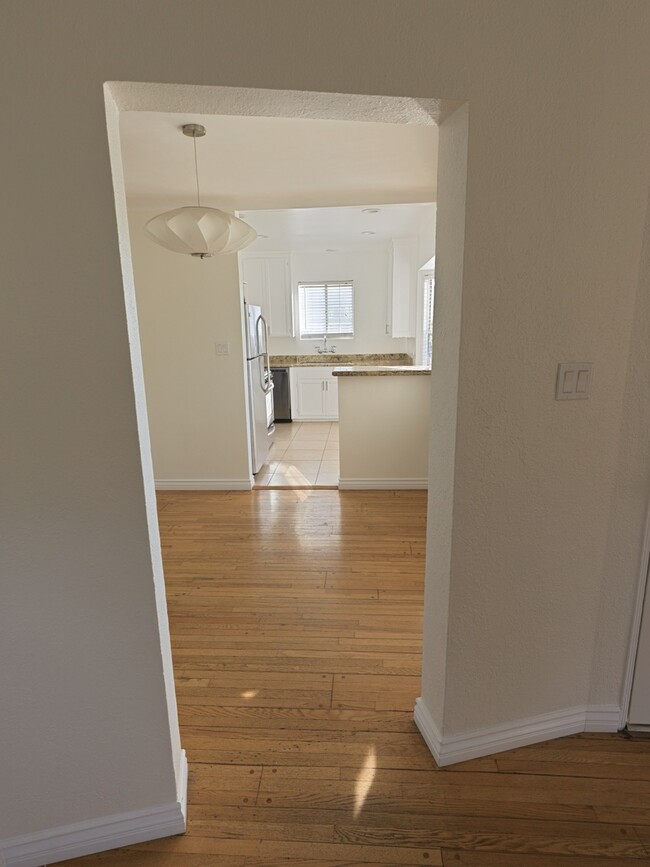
[[253, 331], [260, 439]]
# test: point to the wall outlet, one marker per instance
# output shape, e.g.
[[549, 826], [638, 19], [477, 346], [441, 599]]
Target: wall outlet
[[222, 348]]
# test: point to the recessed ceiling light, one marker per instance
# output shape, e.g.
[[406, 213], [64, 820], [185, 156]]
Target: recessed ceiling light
[[262, 236], [370, 210], [368, 233], [330, 250]]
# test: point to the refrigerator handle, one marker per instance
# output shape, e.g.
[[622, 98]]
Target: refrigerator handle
[[267, 382]]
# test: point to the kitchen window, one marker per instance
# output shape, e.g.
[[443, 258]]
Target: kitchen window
[[326, 309]]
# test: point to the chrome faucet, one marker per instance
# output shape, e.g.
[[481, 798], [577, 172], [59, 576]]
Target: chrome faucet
[[325, 350]]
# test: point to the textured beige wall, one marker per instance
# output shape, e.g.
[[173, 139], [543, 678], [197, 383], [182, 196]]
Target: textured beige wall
[[629, 503], [195, 398], [553, 238], [557, 194]]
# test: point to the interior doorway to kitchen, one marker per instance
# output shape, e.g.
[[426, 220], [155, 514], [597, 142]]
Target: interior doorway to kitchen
[[318, 544], [332, 270]]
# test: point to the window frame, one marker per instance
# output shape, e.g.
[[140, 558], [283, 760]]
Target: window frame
[[422, 337], [326, 284]]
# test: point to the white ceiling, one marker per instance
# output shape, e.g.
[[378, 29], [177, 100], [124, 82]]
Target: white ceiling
[[319, 229], [266, 162]]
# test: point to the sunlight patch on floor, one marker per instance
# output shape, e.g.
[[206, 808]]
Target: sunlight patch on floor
[[365, 781]]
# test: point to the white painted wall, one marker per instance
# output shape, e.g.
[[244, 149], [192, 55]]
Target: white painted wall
[[445, 365], [370, 273], [195, 398], [384, 431], [557, 195], [629, 507]]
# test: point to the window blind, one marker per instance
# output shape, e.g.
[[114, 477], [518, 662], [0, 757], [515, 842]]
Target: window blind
[[427, 320], [326, 309]]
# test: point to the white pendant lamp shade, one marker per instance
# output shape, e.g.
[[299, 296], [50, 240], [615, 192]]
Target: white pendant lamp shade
[[196, 230], [200, 231]]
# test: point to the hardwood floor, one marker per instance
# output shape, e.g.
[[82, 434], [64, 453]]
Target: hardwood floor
[[296, 627]]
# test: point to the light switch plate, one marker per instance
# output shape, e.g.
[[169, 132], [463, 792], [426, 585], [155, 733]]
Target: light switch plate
[[573, 381], [222, 348]]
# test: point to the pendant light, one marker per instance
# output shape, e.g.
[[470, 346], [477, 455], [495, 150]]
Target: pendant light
[[197, 230]]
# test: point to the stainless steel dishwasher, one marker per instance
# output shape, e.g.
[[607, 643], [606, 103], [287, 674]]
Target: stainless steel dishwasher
[[281, 393]]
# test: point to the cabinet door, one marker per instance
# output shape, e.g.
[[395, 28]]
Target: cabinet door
[[310, 394], [267, 282], [314, 394], [279, 294], [255, 283], [404, 280], [331, 402]]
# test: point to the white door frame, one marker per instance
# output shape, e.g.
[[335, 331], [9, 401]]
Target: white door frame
[[635, 629]]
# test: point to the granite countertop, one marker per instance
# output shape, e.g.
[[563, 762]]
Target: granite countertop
[[394, 359], [383, 370]]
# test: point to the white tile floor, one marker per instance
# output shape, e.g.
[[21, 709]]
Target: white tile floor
[[303, 454]]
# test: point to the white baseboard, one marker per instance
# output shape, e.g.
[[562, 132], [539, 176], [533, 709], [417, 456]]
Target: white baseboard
[[497, 739], [308, 418], [204, 485], [383, 484], [428, 730], [98, 835], [181, 795], [603, 718]]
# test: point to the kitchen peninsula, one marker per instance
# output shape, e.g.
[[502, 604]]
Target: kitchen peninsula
[[382, 403], [314, 390], [383, 426]]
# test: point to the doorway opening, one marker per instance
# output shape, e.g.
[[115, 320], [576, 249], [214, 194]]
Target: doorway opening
[[192, 325], [232, 419]]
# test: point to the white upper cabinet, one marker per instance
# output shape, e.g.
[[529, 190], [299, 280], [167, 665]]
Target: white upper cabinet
[[255, 283], [278, 275], [267, 283], [403, 287]]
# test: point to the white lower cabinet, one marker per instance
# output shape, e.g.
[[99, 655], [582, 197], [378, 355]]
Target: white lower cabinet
[[314, 394]]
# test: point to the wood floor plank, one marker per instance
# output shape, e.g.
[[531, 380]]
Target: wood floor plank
[[296, 624], [309, 862], [456, 827], [643, 831], [455, 788], [305, 719], [376, 691], [456, 858], [478, 840], [270, 851], [138, 858], [599, 770]]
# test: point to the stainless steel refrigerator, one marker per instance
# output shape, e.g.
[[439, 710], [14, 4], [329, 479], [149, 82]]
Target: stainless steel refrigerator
[[260, 386]]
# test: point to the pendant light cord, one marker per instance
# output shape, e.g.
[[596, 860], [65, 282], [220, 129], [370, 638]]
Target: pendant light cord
[[196, 172]]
